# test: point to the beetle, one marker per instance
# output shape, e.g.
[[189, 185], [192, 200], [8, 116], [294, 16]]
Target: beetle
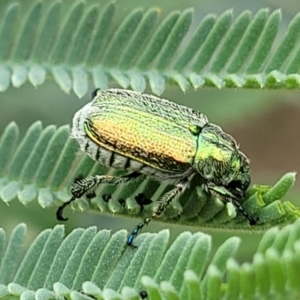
[[148, 135]]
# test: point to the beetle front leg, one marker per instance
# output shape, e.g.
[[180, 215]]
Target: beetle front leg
[[161, 206], [239, 207], [88, 185]]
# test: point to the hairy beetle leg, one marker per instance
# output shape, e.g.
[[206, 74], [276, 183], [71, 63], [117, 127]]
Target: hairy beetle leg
[[161, 206], [87, 186]]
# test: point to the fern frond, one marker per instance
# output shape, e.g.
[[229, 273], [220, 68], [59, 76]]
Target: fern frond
[[88, 264], [84, 42]]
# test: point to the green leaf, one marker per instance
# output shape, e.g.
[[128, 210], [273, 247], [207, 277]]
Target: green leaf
[[8, 141], [248, 41], [265, 43], [174, 39], [157, 41], [246, 280], [140, 37], [285, 48], [234, 35], [116, 44], [212, 41], [196, 41], [12, 256], [27, 33], [233, 277]]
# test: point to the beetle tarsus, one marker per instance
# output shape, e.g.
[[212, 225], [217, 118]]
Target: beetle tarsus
[[253, 221], [60, 210], [135, 232]]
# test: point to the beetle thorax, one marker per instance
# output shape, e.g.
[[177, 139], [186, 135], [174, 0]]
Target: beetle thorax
[[217, 158]]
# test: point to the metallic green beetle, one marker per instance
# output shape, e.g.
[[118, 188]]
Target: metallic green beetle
[[147, 135]]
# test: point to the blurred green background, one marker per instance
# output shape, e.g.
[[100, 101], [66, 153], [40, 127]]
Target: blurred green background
[[265, 123]]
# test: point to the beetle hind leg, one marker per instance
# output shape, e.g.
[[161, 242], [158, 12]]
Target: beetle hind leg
[[87, 186], [160, 207]]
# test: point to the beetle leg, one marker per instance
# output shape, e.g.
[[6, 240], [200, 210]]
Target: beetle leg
[[161, 206], [239, 207], [87, 186], [226, 196], [136, 230]]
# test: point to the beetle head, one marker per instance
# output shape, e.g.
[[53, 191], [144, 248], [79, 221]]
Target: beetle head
[[224, 169]]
